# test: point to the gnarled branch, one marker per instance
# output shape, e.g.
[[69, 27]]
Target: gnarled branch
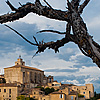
[[51, 31], [21, 36], [35, 8], [80, 35], [82, 6]]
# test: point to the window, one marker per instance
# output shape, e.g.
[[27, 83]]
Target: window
[[35, 78], [61, 96], [71, 97], [33, 96], [4, 90], [89, 92], [9, 95], [50, 80], [23, 74], [0, 90], [40, 93], [52, 84], [31, 77], [28, 86], [57, 84], [74, 87], [9, 91]]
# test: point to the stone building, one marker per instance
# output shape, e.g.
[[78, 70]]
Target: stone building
[[23, 74], [87, 90], [62, 94], [36, 93], [9, 91], [21, 80], [53, 84]]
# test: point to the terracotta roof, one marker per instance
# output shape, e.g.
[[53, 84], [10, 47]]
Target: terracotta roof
[[26, 92], [68, 85], [36, 88], [22, 66], [73, 93], [57, 92], [8, 85]]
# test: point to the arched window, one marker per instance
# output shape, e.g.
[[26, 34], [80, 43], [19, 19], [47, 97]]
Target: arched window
[[61, 95]]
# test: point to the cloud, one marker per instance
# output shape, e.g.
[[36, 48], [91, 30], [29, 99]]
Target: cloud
[[62, 70], [71, 79]]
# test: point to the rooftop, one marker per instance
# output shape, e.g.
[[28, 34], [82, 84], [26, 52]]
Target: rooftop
[[21, 64], [9, 84], [73, 93]]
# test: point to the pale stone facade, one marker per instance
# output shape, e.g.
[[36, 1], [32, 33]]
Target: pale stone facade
[[87, 90], [23, 74], [9, 91], [53, 84], [36, 93], [64, 94]]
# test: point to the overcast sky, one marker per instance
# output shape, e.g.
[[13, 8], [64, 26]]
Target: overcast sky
[[67, 66]]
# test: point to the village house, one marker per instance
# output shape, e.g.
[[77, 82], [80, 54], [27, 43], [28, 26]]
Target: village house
[[87, 90], [9, 91], [22, 80]]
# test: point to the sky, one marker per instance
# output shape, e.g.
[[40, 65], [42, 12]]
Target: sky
[[69, 66]]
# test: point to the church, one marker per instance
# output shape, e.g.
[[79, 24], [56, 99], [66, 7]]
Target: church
[[23, 74]]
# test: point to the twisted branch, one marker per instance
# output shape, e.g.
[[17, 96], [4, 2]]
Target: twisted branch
[[51, 31], [21, 35], [35, 8], [80, 35]]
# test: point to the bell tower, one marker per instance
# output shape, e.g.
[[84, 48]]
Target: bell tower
[[20, 61]]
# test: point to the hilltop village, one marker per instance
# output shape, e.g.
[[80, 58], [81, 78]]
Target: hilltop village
[[24, 80]]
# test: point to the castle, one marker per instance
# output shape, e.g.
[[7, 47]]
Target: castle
[[21, 80]]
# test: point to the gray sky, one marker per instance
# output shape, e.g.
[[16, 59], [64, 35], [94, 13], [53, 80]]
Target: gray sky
[[69, 65]]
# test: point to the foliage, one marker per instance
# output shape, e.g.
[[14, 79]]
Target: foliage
[[57, 90], [42, 89], [22, 97], [80, 96], [46, 90]]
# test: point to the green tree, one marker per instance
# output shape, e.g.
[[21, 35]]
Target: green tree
[[41, 88], [48, 90], [21, 97], [80, 96]]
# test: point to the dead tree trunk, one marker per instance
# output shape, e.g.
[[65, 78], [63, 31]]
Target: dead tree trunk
[[74, 21]]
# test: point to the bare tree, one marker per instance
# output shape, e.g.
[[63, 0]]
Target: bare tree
[[74, 21]]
